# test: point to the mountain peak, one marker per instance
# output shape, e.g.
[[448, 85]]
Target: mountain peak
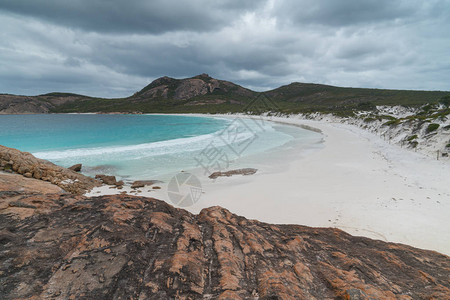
[[189, 88], [203, 76]]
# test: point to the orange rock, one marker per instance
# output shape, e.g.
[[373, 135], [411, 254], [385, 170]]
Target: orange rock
[[134, 247]]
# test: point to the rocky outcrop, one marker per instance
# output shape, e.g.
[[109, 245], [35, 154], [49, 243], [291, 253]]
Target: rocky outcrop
[[18, 183], [245, 171], [117, 247], [24, 163], [188, 88]]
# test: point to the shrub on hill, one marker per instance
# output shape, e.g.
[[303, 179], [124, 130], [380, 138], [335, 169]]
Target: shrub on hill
[[432, 127]]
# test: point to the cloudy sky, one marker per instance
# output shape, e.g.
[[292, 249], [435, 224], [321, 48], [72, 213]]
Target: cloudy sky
[[113, 48]]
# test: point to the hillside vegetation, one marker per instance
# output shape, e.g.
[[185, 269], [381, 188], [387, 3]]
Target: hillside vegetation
[[204, 94]]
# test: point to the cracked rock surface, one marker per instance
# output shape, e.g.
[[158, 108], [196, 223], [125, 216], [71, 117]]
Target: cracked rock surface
[[127, 247]]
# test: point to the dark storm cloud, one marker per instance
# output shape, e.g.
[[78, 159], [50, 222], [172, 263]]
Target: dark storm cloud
[[345, 12], [140, 16], [114, 48]]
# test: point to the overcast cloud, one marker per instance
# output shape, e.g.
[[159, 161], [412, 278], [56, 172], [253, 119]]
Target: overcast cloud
[[114, 48]]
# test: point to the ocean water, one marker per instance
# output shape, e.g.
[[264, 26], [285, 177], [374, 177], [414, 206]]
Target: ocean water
[[147, 146]]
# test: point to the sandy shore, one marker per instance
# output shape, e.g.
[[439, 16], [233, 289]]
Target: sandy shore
[[357, 182]]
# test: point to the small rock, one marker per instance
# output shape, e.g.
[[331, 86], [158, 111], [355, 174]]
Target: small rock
[[119, 183], [106, 179], [76, 168], [142, 183], [37, 174], [23, 170]]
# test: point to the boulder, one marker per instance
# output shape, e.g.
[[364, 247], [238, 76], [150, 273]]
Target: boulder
[[76, 168], [37, 174], [107, 179]]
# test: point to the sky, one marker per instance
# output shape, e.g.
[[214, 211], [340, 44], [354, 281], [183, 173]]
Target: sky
[[113, 48]]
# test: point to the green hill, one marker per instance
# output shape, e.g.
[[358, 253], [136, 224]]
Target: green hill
[[309, 97], [204, 94]]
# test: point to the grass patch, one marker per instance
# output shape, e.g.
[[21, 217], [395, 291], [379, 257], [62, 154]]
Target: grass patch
[[393, 122], [370, 120], [432, 127], [412, 137], [445, 101]]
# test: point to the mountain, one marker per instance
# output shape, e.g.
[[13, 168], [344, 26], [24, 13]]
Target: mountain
[[204, 94], [12, 104], [309, 97], [190, 88], [196, 94]]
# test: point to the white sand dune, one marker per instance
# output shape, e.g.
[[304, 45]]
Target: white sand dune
[[357, 182]]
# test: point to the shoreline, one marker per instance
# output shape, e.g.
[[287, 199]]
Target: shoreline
[[357, 182]]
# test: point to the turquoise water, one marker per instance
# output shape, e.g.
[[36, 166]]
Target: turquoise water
[[144, 146], [36, 133]]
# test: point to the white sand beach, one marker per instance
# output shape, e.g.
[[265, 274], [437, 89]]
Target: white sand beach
[[357, 182]]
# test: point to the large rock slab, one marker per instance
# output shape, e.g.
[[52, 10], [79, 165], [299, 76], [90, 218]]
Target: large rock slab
[[126, 247], [19, 183]]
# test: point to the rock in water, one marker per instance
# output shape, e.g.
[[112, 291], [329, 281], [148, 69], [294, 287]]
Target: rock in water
[[126, 247], [76, 168]]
